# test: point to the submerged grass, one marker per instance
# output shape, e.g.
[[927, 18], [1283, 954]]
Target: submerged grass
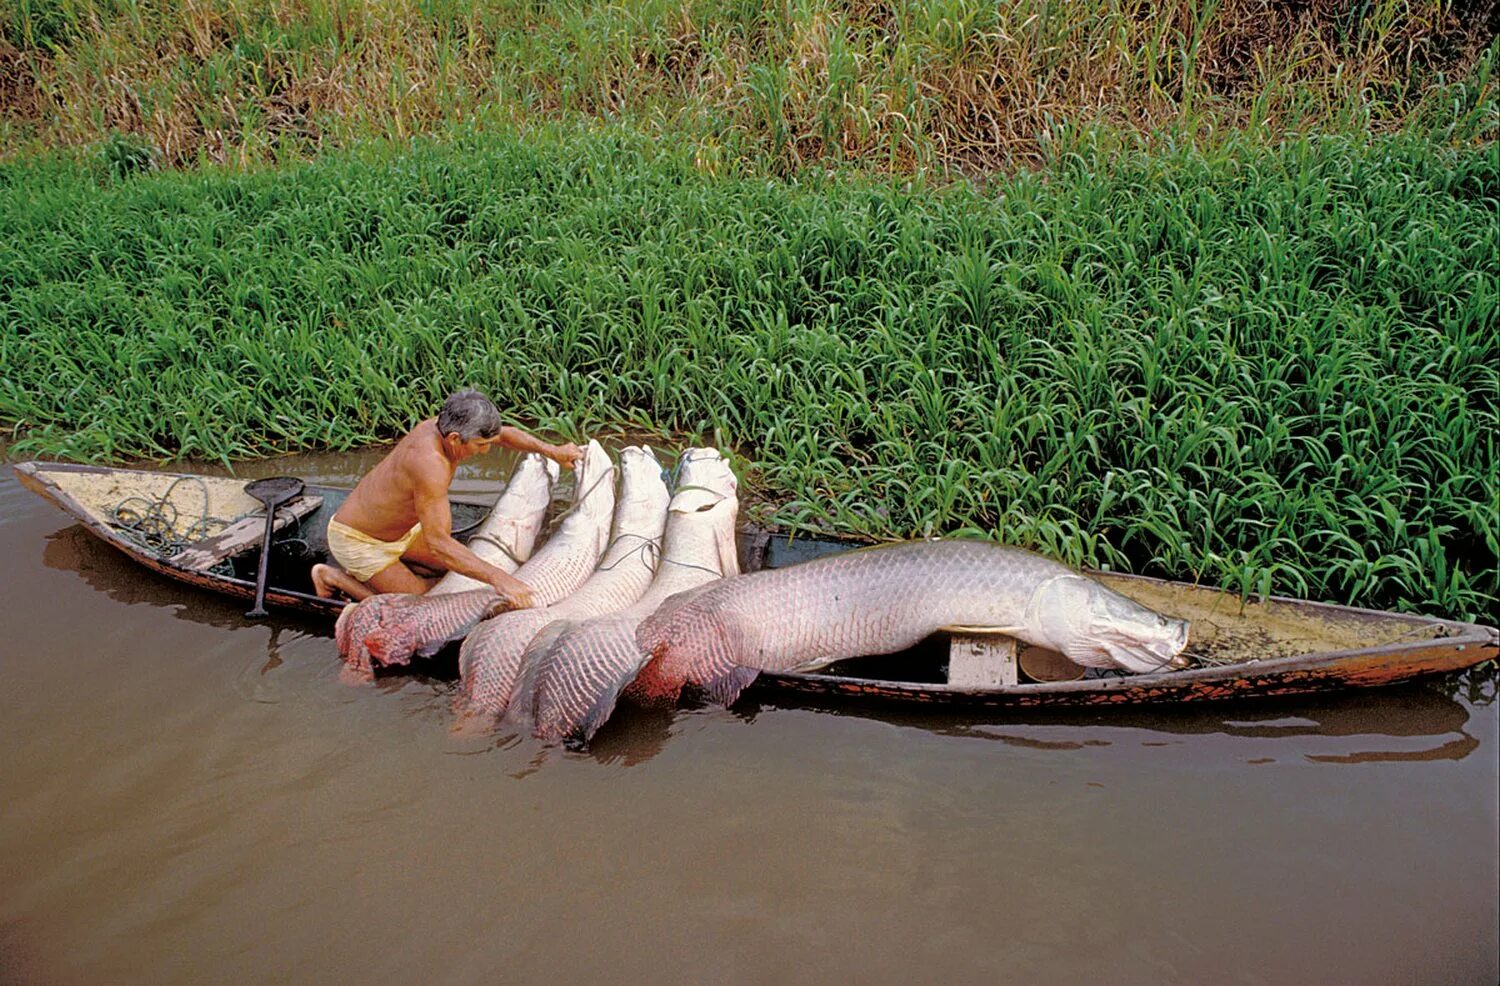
[[1272, 369]]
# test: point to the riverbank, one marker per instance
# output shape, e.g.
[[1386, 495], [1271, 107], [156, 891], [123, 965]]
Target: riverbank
[[1273, 369], [891, 86]]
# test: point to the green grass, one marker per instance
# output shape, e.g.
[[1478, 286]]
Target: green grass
[[1268, 368]]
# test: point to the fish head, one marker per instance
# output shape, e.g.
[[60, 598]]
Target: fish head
[[707, 491], [533, 478], [639, 473], [704, 479], [641, 486], [594, 479], [1097, 627]]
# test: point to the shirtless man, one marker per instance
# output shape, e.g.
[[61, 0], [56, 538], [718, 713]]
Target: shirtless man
[[399, 512]]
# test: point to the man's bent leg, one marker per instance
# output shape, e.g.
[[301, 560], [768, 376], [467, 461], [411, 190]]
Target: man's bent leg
[[327, 579], [396, 577]]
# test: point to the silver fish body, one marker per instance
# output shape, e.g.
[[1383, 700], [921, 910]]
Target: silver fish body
[[885, 599], [574, 671], [490, 657], [508, 534]]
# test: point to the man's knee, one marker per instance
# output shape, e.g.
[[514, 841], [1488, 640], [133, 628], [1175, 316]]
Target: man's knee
[[396, 577]]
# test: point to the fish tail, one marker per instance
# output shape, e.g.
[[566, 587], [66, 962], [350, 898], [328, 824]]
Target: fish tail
[[384, 645], [585, 671]]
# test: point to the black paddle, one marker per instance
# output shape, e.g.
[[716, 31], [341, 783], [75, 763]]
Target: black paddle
[[273, 492]]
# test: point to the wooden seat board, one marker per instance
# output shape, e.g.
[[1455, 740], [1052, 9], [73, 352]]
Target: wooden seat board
[[242, 535]]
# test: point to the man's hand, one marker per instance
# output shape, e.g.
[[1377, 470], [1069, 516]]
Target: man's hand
[[513, 591], [569, 455]]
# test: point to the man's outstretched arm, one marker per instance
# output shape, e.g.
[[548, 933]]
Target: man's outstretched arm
[[436, 516], [566, 454]]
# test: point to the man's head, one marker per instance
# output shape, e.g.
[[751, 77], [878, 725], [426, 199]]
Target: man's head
[[470, 415], [472, 419]]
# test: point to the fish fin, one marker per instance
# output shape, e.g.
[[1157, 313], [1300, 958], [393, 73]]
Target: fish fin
[[521, 709], [582, 730], [580, 678], [725, 688], [428, 650], [432, 647], [982, 630]]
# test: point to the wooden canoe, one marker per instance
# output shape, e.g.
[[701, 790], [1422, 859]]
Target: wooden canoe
[[1238, 647]]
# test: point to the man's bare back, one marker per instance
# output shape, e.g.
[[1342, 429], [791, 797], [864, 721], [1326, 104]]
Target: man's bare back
[[410, 487], [383, 505]]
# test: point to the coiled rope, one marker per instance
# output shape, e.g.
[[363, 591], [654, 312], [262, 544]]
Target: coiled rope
[[152, 522]]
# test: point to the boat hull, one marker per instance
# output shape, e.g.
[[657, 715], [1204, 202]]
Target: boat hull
[[1264, 647]]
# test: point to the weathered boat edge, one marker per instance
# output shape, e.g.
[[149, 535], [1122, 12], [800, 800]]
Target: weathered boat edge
[[1299, 674], [1465, 645], [27, 473]]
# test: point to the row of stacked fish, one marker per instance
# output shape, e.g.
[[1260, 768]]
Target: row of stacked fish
[[639, 594]]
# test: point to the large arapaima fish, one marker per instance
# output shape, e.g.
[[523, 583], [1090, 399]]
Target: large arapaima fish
[[884, 599]]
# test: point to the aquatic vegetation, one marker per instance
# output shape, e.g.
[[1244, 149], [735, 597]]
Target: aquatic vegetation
[[1272, 369]]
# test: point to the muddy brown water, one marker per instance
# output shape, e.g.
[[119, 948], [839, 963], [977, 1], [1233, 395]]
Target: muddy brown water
[[190, 796]]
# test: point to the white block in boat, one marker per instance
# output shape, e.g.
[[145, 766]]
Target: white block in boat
[[981, 657]]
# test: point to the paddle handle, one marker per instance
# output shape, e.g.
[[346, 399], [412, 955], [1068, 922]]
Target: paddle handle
[[265, 561]]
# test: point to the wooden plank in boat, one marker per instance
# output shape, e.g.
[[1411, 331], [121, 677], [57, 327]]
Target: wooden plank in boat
[[981, 657], [242, 535]]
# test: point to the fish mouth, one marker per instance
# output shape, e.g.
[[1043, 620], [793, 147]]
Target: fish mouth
[[1160, 650]]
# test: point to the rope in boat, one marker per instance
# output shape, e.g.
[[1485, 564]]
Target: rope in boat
[[152, 522]]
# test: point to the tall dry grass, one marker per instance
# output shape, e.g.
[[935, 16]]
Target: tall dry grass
[[903, 85]]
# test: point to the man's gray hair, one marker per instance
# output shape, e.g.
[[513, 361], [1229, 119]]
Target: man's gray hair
[[471, 414]]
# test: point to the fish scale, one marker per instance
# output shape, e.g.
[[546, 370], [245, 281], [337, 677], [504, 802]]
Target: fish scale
[[561, 565], [881, 600], [574, 671], [506, 537], [490, 657]]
